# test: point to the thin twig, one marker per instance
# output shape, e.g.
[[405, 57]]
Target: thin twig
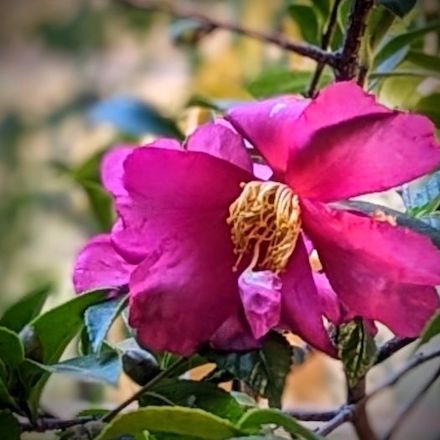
[[392, 346], [156, 379], [417, 360], [52, 424], [306, 416], [345, 414], [325, 43], [348, 65], [279, 40], [401, 417]]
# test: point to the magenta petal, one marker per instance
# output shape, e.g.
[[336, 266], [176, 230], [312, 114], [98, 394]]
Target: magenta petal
[[346, 144], [301, 310], [98, 265], [185, 288], [112, 169], [268, 126], [235, 334], [332, 308], [260, 294], [379, 271], [220, 141]]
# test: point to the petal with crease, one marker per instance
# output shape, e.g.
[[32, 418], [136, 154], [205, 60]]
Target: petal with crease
[[268, 126], [98, 265], [379, 271], [345, 144], [301, 307]]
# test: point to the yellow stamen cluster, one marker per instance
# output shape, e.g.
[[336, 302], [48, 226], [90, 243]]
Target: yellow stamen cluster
[[265, 223]]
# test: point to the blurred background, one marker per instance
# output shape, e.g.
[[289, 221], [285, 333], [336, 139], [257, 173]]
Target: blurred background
[[79, 76]]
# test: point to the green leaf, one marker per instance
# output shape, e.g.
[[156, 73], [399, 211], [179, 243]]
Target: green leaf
[[11, 348], [422, 73], [432, 329], [423, 60], [173, 420], [378, 25], [27, 308], [46, 337], [357, 350], [422, 197], [99, 318], [134, 117], [398, 7], [255, 418], [106, 367], [306, 19], [194, 394], [281, 81], [6, 400], [9, 427], [100, 202], [430, 106], [264, 370], [404, 39]]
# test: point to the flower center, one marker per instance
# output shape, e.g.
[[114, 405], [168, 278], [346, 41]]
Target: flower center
[[265, 223]]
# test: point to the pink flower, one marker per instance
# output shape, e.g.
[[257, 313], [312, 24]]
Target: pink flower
[[214, 255], [340, 145], [193, 278]]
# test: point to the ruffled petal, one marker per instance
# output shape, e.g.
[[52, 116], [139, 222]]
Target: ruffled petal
[[220, 141], [268, 126], [185, 288], [345, 144], [112, 169], [379, 271], [98, 265], [260, 293], [301, 309]]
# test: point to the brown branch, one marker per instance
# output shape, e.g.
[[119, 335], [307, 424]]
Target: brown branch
[[345, 414], [306, 416], [348, 66], [306, 50], [156, 379], [392, 346], [359, 417], [53, 424], [325, 43], [401, 417]]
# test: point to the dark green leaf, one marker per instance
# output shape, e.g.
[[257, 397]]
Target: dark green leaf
[[430, 106], [307, 20], [6, 400], [401, 219], [398, 7], [378, 25], [357, 350], [194, 394], [422, 73], [401, 40], [254, 419], [98, 319], [264, 370], [423, 60], [57, 327], [9, 426], [27, 308], [134, 117], [281, 81], [174, 420], [106, 367], [11, 348], [100, 202], [431, 330], [46, 337]]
